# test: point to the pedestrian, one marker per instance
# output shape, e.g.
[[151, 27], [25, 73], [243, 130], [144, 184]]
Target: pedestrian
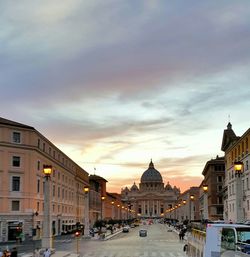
[[6, 253], [181, 234], [46, 253], [36, 253], [13, 252]]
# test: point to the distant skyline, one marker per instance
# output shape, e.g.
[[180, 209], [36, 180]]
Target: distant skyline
[[114, 83]]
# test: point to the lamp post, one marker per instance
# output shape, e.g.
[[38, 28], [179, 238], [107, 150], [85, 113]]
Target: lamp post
[[238, 168], [205, 202], [47, 233], [191, 207], [113, 209], [86, 211], [103, 207]]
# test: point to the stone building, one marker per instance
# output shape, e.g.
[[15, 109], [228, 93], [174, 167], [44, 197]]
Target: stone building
[[237, 184], [152, 198], [214, 174], [23, 152]]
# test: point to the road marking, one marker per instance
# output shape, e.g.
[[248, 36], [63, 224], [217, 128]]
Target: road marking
[[134, 254]]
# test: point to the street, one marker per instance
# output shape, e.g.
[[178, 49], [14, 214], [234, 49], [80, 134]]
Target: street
[[159, 242]]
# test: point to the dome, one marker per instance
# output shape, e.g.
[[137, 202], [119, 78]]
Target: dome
[[151, 174], [134, 187]]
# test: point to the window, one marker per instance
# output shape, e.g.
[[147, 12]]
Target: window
[[228, 239], [16, 183], [16, 137], [44, 147], [54, 190], [219, 210], [16, 161], [219, 178], [15, 205], [38, 143], [38, 165], [246, 165], [219, 199], [38, 185], [38, 206]]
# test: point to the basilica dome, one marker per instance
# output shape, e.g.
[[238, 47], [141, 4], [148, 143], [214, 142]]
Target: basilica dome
[[151, 175]]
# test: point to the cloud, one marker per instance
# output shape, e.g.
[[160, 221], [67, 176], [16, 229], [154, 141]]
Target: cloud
[[142, 47], [113, 81]]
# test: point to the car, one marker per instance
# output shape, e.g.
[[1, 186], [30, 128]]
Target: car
[[143, 232], [132, 225], [125, 229]]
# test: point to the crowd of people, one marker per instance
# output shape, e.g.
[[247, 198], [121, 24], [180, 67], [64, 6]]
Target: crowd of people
[[7, 253], [13, 253]]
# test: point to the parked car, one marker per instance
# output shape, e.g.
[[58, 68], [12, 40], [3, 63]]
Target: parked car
[[143, 232], [132, 225], [125, 229]]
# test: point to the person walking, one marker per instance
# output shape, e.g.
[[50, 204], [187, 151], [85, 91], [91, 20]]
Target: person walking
[[36, 253], [46, 253], [6, 253], [13, 252]]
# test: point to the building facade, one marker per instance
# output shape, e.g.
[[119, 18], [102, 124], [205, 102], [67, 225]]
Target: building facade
[[152, 197], [211, 199], [186, 207], [237, 188], [23, 152]]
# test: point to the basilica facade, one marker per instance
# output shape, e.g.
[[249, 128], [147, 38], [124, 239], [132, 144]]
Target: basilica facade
[[152, 197]]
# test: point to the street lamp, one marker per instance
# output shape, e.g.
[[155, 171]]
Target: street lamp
[[238, 168], [102, 207], [113, 209], [47, 235], [86, 211], [191, 207], [205, 188], [205, 202]]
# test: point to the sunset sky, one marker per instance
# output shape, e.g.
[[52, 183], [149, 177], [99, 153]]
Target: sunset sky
[[115, 83]]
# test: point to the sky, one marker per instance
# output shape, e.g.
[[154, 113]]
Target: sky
[[116, 83]]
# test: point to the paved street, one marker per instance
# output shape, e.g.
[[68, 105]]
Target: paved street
[[158, 243]]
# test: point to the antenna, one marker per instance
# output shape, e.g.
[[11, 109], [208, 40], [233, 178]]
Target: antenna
[[229, 117]]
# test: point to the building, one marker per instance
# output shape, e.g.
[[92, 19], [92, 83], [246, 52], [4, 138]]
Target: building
[[186, 207], [237, 189], [23, 152], [152, 197], [97, 196], [211, 193]]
